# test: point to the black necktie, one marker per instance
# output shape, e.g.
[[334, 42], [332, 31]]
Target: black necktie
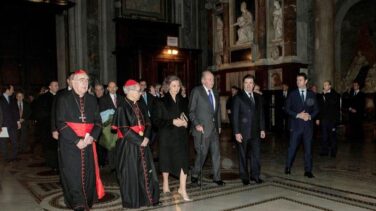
[[251, 97], [302, 95]]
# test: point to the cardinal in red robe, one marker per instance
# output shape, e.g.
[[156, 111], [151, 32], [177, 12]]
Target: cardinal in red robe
[[79, 125], [135, 169]]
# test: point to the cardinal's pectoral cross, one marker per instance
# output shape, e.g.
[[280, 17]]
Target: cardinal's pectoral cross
[[82, 117]]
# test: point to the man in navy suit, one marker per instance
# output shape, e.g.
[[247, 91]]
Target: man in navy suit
[[249, 127], [302, 108]]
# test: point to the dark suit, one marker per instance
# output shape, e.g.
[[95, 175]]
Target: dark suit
[[281, 116], [201, 113], [23, 132], [357, 102], [300, 129], [44, 117], [249, 121], [10, 117], [149, 105], [106, 103], [53, 109], [329, 116]]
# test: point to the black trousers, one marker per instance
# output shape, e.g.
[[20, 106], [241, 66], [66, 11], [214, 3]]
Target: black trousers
[[249, 152], [329, 138], [296, 137]]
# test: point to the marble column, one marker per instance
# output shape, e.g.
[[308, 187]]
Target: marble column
[[61, 48], [107, 60], [324, 41], [77, 22]]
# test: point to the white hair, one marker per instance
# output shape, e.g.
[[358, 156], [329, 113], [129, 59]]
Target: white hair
[[126, 89]]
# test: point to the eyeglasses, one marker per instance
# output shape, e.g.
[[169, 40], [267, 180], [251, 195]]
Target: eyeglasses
[[82, 80], [135, 90]]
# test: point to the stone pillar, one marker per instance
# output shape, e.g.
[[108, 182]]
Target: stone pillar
[[107, 60], [324, 41], [61, 48], [78, 56]]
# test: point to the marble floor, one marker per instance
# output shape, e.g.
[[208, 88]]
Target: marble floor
[[346, 182]]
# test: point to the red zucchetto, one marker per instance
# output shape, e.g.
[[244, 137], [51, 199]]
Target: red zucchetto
[[80, 71], [130, 82]]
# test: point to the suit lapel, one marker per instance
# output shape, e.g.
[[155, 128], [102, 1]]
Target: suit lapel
[[245, 98], [300, 98]]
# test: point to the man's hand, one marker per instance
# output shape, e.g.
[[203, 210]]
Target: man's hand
[[262, 134], [219, 130], [300, 115], [81, 144], [18, 125], [199, 128], [145, 142], [178, 122], [185, 123], [304, 116], [239, 137], [89, 140], [55, 135], [317, 122], [22, 120]]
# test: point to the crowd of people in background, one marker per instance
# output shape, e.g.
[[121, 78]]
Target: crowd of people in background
[[142, 114]]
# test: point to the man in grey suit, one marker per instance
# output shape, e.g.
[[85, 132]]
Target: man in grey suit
[[204, 113]]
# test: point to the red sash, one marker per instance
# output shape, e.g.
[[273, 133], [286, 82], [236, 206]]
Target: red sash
[[137, 129], [81, 129]]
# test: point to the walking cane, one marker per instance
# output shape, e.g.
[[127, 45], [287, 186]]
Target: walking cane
[[201, 164]]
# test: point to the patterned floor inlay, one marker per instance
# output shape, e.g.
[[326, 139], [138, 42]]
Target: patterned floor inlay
[[345, 183], [279, 206], [46, 189]]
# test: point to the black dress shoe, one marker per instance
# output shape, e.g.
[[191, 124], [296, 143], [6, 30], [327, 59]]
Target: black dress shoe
[[219, 183], [309, 175], [245, 182], [287, 170], [257, 180], [194, 180]]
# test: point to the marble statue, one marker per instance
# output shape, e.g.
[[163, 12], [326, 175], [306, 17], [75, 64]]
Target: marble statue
[[277, 21], [358, 62], [370, 82], [245, 24], [219, 41]]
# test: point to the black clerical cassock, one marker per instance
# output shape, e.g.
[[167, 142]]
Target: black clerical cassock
[[79, 171], [135, 169]]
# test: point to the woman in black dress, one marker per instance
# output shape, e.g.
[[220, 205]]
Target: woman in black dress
[[171, 118]]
